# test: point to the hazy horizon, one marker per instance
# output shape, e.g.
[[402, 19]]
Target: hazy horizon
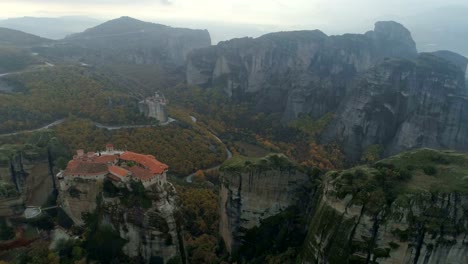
[[337, 17], [228, 20]]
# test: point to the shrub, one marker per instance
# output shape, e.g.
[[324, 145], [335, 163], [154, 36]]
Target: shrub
[[6, 232], [393, 245], [430, 170], [382, 252]]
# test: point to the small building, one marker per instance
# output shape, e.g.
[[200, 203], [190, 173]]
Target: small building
[[154, 107], [119, 174], [86, 170], [118, 166], [146, 169]]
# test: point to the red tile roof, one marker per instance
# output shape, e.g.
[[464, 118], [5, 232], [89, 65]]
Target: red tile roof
[[114, 178], [106, 159], [118, 171], [147, 161], [85, 168], [141, 173]]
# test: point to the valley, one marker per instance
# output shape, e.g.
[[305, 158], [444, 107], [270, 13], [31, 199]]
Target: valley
[[293, 147]]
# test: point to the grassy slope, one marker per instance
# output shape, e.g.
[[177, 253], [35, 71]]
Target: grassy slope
[[430, 170], [451, 170]]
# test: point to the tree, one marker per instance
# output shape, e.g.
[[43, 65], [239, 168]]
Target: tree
[[6, 232], [199, 176]]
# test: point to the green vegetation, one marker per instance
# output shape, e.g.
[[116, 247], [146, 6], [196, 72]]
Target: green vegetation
[[54, 93], [272, 161], [407, 186], [19, 38], [277, 237], [7, 190], [433, 170], [135, 197], [337, 228], [13, 59], [413, 171], [372, 153], [238, 121], [102, 243], [70, 251], [308, 125], [6, 232], [184, 148], [200, 218]]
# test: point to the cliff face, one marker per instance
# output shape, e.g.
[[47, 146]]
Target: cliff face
[[404, 104], [296, 72], [381, 90], [127, 40], [417, 219], [152, 232], [253, 191], [25, 178]]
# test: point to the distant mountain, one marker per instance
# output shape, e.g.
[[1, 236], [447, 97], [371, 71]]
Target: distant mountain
[[379, 90], [18, 38], [52, 28], [128, 40]]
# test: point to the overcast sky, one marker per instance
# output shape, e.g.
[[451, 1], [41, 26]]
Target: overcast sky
[[332, 16]]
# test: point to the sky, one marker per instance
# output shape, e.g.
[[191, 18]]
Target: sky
[[256, 16]]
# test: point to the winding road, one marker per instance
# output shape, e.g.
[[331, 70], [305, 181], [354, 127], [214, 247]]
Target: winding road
[[55, 123], [99, 125], [46, 64], [189, 178]]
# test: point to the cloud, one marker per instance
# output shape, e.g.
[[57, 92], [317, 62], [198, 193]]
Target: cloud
[[165, 2]]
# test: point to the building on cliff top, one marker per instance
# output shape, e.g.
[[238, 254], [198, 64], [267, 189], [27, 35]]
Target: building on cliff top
[[115, 165], [155, 107]]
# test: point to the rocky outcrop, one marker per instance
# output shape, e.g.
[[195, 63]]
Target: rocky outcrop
[[453, 57], [296, 72], [25, 178], [424, 228], [127, 40], [252, 191], [352, 224], [151, 233], [381, 90], [404, 104], [77, 197]]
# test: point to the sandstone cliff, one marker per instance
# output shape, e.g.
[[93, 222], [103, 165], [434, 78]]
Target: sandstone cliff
[[252, 190], [296, 72], [151, 233], [25, 178], [382, 92], [145, 220], [411, 208], [404, 104]]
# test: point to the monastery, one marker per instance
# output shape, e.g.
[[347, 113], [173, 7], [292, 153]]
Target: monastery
[[154, 107], [118, 166]]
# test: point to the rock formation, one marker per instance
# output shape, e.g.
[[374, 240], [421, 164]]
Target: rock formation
[[252, 191], [151, 233], [296, 72], [404, 104], [127, 40], [381, 90], [416, 219]]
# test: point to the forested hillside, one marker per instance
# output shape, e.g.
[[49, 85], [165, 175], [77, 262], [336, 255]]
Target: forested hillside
[[45, 95]]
